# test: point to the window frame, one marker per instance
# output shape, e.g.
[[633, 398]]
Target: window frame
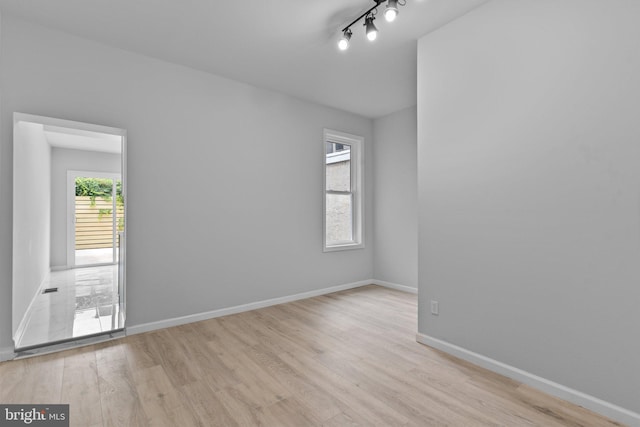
[[357, 189]]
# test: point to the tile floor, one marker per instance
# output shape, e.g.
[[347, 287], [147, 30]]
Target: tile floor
[[95, 256], [86, 303]]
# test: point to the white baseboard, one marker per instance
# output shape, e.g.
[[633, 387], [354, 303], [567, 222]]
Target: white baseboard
[[574, 396], [167, 323], [27, 314], [6, 353], [395, 286]]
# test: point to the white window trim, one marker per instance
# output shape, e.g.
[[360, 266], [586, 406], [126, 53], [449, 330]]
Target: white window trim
[[357, 188]]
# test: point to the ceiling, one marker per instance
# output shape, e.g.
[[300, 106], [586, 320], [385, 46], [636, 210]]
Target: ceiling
[[284, 45]]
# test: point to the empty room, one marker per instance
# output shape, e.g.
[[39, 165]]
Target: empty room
[[320, 213]]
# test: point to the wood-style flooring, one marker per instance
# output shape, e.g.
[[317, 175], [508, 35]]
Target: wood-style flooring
[[344, 359]]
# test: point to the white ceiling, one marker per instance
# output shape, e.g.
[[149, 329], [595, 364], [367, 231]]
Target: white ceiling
[[284, 45]]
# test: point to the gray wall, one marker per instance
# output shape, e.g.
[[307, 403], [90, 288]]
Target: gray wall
[[395, 232], [529, 172], [63, 160], [217, 216], [32, 227]]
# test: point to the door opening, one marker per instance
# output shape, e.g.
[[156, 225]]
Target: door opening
[[69, 232], [95, 218]]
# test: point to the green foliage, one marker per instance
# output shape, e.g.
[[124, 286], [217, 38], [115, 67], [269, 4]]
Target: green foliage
[[99, 187], [103, 212], [119, 196], [93, 187]]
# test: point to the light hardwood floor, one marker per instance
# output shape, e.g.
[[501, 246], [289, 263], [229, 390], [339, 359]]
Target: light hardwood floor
[[344, 359]]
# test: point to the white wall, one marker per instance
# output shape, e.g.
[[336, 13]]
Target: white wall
[[212, 223], [63, 160], [32, 222], [529, 184], [395, 232]]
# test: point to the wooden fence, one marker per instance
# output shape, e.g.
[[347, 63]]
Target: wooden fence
[[94, 222]]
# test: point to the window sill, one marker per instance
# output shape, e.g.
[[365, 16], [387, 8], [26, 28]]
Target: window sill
[[345, 247]]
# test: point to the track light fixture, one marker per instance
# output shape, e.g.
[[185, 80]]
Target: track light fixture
[[343, 44], [390, 14], [371, 30], [391, 11]]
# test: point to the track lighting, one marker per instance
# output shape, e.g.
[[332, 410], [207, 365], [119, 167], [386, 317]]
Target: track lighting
[[371, 30], [343, 44], [391, 11], [390, 14]]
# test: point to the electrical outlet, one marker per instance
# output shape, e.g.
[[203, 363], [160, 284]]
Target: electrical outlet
[[434, 308]]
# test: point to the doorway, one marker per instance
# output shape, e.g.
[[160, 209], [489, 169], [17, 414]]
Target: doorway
[[69, 231], [95, 221]]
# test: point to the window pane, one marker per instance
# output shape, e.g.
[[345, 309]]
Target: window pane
[[119, 206], [339, 221], [93, 212], [338, 162]]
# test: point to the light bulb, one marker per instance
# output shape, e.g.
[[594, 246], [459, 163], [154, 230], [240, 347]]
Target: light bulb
[[391, 11], [390, 15], [372, 31]]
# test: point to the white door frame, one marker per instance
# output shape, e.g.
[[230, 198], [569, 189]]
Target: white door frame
[[122, 133]]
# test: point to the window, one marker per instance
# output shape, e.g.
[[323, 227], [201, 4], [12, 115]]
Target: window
[[342, 191]]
